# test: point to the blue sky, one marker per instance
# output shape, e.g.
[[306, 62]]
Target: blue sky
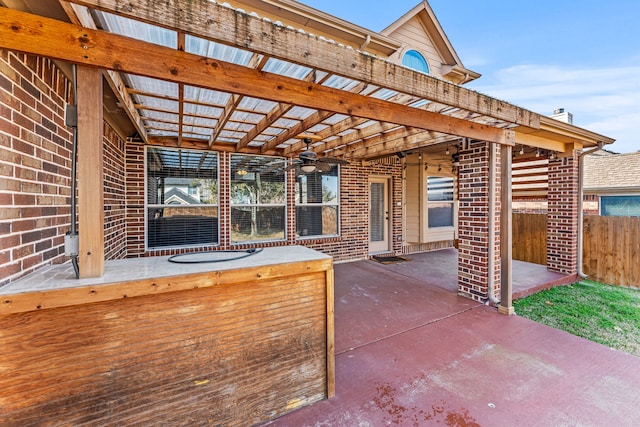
[[583, 55]]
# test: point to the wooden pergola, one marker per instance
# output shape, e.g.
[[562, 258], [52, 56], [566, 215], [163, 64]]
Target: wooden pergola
[[251, 85]]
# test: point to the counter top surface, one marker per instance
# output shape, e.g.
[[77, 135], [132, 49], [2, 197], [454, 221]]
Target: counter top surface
[[62, 276]]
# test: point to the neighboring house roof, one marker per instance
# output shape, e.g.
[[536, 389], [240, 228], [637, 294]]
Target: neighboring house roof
[[451, 66], [612, 173], [175, 194]]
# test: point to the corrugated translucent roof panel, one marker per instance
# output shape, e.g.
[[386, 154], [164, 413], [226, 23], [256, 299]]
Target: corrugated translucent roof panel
[[342, 83], [257, 105], [384, 94], [158, 115], [336, 118], [231, 134], [271, 132], [285, 123], [202, 110], [199, 121], [196, 129], [244, 117], [317, 128], [206, 96], [420, 103], [154, 86], [300, 113], [215, 50], [241, 127], [137, 29], [288, 69]]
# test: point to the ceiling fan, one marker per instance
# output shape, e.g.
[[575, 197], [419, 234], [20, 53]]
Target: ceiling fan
[[308, 160]]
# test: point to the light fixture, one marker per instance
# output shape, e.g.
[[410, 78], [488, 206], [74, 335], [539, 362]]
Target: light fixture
[[308, 168], [552, 155], [241, 172], [447, 152], [521, 150], [538, 153]]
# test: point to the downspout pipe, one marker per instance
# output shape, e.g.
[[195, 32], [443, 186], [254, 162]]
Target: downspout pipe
[[71, 119], [491, 239], [580, 212]]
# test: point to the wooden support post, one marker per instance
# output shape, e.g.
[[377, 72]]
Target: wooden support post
[[331, 359], [90, 173], [506, 234]]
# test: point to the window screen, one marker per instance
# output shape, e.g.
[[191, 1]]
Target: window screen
[[620, 205], [182, 198], [258, 199], [317, 204], [440, 202]]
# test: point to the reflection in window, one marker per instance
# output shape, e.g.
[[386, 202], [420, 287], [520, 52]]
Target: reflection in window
[[620, 205], [414, 59], [258, 199], [317, 204], [440, 210], [182, 198]]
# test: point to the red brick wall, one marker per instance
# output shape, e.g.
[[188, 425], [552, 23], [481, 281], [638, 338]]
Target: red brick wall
[[353, 242], [35, 153], [562, 216], [35, 169], [473, 223], [114, 195]]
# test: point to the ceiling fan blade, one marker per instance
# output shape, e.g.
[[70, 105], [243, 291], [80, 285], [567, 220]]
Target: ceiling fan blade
[[323, 166], [333, 160]]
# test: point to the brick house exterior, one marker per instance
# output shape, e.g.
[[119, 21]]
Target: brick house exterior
[[35, 164]]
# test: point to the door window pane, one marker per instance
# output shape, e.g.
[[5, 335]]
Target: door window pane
[[377, 216]]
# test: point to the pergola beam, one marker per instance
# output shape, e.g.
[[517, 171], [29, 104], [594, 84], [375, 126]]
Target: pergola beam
[[219, 23], [40, 36]]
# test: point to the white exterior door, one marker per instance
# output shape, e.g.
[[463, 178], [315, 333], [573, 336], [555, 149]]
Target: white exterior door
[[379, 215]]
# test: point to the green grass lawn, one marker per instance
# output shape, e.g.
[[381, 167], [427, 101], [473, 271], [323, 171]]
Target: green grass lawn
[[604, 314]]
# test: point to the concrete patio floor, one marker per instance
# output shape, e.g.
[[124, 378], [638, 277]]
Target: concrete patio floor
[[410, 352]]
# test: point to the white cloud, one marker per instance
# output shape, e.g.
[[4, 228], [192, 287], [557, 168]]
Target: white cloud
[[604, 100]]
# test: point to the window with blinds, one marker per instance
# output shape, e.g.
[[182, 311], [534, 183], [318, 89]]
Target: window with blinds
[[620, 205], [317, 204], [181, 198], [258, 199], [440, 202]]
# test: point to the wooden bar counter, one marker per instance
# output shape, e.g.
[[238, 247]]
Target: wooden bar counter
[[156, 343]]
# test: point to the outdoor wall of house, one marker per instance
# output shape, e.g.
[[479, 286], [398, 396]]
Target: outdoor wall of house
[[413, 36], [35, 164], [419, 237], [473, 223], [115, 213], [35, 153], [352, 242]]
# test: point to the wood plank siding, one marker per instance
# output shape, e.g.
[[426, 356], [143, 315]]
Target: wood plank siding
[[230, 354], [414, 35]]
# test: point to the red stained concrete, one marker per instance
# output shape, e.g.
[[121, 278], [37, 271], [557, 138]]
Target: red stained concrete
[[409, 352]]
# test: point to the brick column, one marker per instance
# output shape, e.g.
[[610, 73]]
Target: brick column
[[473, 224], [562, 216]]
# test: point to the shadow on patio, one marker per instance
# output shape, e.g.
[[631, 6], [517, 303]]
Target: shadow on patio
[[411, 352]]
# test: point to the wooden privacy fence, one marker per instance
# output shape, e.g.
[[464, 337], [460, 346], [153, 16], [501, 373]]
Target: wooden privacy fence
[[612, 249], [530, 238], [611, 246]]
